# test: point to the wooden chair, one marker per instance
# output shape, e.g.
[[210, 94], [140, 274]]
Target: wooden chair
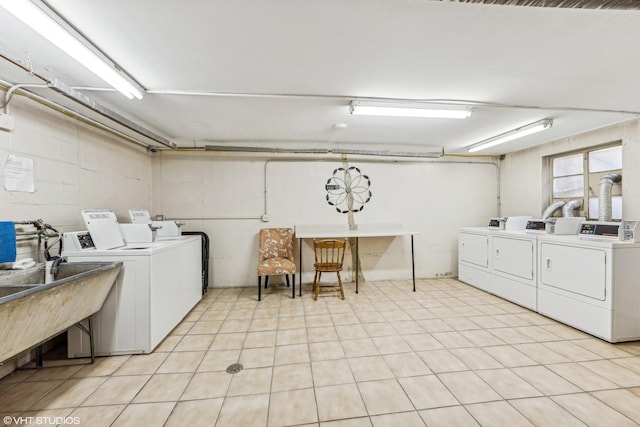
[[329, 255], [276, 257]]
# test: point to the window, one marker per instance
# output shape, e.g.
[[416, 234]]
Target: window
[[576, 176]]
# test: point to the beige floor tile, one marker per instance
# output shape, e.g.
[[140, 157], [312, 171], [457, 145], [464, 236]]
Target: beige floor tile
[[391, 344], [244, 411], [163, 388], [405, 419], [326, 350], [322, 334], [142, 364], [291, 336], [251, 381], [292, 377], [97, 416], [168, 344], [54, 373], [351, 332], [508, 384], [145, 414], [235, 326], [406, 365], [257, 357], [331, 372], [582, 377], [509, 356], [382, 329], [442, 361], [384, 396], [182, 328], [359, 347], [571, 351], [180, 362], [468, 387], [623, 401], [537, 333], [263, 324], [207, 385], [613, 372], [422, 342], [71, 393], [544, 412], [370, 317], [218, 360], [230, 341], [260, 339], [22, 396], [540, 353], [194, 343], [452, 339], [461, 324], [565, 332], [195, 413], [211, 315], [117, 390], [488, 322], [17, 376], [436, 394], [103, 366], [548, 382], [339, 401], [481, 338], [292, 407], [591, 411], [434, 325], [318, 321], [370, 368], [475, 358], [497, 414], [510, 335], [631, 363], [454, 416], [290, 354], [205, 327]]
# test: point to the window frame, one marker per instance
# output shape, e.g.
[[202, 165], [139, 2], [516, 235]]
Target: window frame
[[589, 191]]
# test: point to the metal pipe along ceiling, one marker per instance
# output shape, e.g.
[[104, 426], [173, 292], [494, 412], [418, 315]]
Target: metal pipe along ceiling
[[571, 4]]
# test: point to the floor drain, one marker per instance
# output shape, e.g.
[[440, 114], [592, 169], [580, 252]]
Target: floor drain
[[234, 369]]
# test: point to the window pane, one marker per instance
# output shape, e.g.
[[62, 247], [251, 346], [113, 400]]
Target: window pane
[[568, 186], [606, 159], [568, 165], [616, 207]]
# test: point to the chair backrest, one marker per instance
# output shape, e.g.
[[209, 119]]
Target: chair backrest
[[330, 251], [276, 243]]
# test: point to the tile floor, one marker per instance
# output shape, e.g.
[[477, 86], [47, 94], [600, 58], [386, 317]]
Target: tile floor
[[446, 355]]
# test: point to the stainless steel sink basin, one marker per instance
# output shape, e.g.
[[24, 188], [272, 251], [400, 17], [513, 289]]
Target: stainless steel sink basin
[[32, 312]]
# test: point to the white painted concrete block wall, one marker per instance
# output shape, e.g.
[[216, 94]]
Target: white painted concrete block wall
[[225, 197], [75, 167]]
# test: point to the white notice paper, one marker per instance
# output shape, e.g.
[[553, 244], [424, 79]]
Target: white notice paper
[[18, 174]]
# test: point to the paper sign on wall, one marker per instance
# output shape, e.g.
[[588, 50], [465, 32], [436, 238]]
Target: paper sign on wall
[[18, 174]]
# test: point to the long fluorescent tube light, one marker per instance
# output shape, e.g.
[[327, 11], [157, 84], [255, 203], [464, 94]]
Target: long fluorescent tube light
[[43, 24], [520, 132], [375, 108]]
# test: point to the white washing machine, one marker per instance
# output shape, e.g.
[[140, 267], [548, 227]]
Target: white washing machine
[[159, 284], [591, 283]]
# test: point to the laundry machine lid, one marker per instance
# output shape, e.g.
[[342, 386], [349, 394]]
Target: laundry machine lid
[[104, 228]]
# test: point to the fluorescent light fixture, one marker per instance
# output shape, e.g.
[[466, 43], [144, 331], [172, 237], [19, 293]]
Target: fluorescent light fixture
[[47, 27], [408, 109], [511, 135]]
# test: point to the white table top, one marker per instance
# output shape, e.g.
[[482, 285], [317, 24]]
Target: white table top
[[308, 231]]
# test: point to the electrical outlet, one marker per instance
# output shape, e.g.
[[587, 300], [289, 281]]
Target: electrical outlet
[[265, 218], [6, 122]]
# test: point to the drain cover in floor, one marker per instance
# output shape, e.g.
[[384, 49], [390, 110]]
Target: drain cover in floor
[[234, 369]]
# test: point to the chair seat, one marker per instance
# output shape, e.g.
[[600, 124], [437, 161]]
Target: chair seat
[[328, 266], [276, 266]]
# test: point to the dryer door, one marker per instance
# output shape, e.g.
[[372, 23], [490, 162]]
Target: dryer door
[[575, 269]]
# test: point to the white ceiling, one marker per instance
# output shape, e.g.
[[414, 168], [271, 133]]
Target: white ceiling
[[280, 73]]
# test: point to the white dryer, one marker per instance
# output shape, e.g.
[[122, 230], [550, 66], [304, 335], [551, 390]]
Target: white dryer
[[591, 283]]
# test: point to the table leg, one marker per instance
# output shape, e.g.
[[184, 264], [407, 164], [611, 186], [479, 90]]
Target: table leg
[[413, 265], [357, 264]]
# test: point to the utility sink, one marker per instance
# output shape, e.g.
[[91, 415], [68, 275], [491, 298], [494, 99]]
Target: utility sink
[[32, 311]]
